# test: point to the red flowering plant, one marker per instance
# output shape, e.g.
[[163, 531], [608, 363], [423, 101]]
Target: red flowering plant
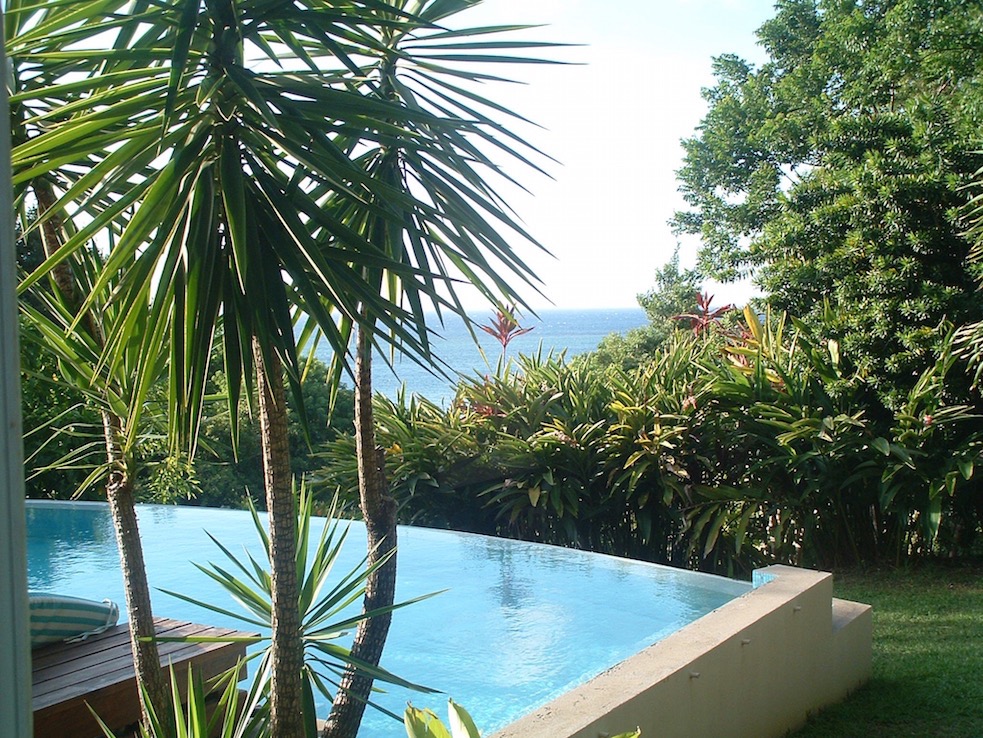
[[705, 317], [504, 327]]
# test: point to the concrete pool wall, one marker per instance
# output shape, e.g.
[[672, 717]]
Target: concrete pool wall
[[756, 667]]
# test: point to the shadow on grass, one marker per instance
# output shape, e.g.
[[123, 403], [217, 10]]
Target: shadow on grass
[[927, 656]]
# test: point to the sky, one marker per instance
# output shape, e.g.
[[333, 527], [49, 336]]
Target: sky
[[614, 120]]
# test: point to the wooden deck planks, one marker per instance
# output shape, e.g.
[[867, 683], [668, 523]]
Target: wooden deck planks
[[99, 672]]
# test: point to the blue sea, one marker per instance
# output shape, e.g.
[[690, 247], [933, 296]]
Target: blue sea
[[570, 331]]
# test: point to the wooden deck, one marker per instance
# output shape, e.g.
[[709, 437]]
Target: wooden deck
[[98, 672]]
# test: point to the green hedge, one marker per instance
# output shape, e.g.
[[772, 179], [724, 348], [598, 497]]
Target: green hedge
[[730, 449]]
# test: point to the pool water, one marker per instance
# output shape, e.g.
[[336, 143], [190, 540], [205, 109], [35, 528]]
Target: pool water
[[519, 624]]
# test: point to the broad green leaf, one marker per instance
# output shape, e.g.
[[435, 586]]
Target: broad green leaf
[[882, 445], [461, 724]]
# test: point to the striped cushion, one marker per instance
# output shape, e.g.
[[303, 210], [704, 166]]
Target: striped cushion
[[56, 618]]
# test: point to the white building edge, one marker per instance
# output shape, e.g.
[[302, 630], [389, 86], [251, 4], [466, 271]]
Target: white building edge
[[15, 657]]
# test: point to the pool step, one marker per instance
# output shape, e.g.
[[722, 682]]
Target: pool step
[[845, 612]]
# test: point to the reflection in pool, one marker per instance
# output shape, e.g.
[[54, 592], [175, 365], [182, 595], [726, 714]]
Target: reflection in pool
[[519, 624]]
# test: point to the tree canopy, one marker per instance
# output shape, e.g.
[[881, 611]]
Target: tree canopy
[[834, 174]]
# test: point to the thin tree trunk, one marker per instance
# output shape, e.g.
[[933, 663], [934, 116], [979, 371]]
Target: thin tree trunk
[[379, 512], [119, 493], [146, 660], [287, 654]]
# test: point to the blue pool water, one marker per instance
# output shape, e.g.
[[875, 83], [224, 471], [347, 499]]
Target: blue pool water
[[519, 624]]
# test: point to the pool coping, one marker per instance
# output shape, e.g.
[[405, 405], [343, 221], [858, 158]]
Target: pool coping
[[755, 667]]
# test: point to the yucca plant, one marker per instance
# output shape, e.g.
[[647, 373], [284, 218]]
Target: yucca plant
[[426, 724], [325, 600], [431, 212], [251, 158], [125, 394], [191, 714]]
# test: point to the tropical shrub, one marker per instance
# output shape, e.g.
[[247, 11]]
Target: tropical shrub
[[324, 608], [435, 462], [532, 451], [732, 448], [426, 724]]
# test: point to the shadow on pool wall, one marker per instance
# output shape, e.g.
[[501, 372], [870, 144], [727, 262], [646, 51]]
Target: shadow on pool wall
[[755, 668]]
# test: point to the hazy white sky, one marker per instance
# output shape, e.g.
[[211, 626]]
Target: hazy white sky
[[614, 121]]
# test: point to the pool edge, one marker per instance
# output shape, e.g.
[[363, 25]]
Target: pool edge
[[756, 667]]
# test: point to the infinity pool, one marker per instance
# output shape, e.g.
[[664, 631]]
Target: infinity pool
[[519, 624]]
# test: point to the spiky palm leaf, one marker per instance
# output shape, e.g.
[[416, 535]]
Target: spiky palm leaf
[[247, 161], [210, 136], [325, 602]]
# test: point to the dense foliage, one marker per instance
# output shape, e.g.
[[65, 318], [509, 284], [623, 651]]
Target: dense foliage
[[63, 431], [731, 449], [835, 173]]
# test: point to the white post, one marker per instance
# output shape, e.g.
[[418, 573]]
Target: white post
[[15, 658]]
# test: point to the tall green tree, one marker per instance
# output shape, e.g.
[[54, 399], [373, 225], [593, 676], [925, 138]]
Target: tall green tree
[[40, 54], [228, 148], [834, 174], [420, 67]]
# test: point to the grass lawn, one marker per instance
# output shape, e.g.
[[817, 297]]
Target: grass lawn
[[928, 655]]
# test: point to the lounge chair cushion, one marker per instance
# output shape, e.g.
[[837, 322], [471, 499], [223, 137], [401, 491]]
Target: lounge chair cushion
[[59, 618]]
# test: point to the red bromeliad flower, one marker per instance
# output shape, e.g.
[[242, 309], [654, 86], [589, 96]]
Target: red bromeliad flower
[[704, 317], [504, 327], [488, 411]]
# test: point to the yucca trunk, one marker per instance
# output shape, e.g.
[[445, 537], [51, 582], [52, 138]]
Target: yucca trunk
[[287, 649], [146, 660], [379, 512], [119, 493]]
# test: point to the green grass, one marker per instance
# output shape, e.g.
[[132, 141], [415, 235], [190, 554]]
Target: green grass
[[927, 657]]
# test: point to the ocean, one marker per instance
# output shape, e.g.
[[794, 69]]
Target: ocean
[[571, 331]]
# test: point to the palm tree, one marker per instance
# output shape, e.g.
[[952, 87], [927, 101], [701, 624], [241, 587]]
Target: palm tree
[[252, 158], [121, 397], [418, 67], [75, 337]]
